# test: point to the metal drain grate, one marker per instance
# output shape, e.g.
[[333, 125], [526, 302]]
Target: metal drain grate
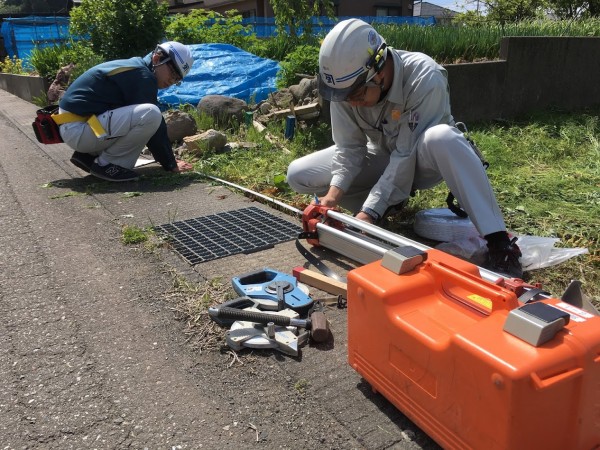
[[211, 237]]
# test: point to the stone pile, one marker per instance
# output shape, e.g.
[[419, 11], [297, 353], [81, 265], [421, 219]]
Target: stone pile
[[301, 101]]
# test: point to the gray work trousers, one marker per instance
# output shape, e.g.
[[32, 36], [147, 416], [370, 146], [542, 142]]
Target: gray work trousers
[[128, 129]]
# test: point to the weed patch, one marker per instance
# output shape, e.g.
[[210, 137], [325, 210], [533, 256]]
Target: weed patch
[[131, 234], [190, 301]]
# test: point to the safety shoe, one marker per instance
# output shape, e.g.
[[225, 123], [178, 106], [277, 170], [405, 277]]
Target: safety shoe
[[505, 260], [112, 172], [83, 160]]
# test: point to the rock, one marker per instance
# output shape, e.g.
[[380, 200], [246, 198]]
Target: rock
[[265, 108], [303, 90], [179, 125], [281, 99], [223, 108], [60, 83], [210, 140], [242, 145], [180, 151]]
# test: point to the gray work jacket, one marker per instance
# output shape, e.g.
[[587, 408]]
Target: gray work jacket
[[417, 100]]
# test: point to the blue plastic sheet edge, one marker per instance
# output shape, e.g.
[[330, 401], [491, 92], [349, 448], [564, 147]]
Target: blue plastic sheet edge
[[222, 69]]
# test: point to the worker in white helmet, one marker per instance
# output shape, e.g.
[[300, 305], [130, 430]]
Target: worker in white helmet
[[394, 133], [120, 97]]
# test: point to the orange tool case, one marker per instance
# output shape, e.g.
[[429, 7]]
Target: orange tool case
[[432, 341]]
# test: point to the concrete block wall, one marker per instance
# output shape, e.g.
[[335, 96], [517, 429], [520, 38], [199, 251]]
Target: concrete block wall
[[534, 73], [24, 86]]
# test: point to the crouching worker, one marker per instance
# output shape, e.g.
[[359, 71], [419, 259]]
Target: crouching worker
[[119, 100], [394, 132]]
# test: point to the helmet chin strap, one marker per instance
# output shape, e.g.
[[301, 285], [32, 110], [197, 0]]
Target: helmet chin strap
[[381, 84], [382, 90]]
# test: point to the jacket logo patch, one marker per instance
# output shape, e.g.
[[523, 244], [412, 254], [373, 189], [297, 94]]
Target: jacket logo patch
[[413, 120], [396, 114]]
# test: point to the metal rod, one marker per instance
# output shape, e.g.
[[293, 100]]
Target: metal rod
[[395, 239], [254, 193], [375, 231], [352, 245]]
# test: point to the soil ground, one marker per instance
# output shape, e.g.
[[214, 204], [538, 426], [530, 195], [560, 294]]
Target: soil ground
[[94, 352]]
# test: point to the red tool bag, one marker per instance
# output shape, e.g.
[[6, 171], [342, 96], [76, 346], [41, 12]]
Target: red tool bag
[[45, 128]]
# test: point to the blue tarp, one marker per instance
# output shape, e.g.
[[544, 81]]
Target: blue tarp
[[22, 34], [265, 26], [223, 69]]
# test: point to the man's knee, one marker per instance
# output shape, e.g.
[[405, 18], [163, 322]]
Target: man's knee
[[295, 173], [444, 144], [439, 135], [148, 115]]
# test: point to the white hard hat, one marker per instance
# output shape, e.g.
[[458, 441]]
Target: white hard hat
[[351, 54], [179, 54]]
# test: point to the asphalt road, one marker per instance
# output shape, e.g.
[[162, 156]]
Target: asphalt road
[[92, 355]]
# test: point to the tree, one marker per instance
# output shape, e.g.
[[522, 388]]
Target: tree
[[120, 28], [507, 11], [38, 6], [293, 15], [200, 26], [575, 9], [471, 18]]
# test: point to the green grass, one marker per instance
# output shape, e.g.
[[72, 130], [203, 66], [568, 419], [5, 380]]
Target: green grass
[[131, 234], [546, 173], [545, 170]]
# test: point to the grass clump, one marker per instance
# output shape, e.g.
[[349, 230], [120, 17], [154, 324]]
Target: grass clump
[[190, 301], [132, 234], [546, 174]]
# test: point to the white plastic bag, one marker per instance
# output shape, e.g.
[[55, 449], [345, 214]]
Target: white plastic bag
[[539, 252], [460, 238]]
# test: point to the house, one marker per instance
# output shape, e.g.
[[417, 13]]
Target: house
[[443, 16], [262, 8]]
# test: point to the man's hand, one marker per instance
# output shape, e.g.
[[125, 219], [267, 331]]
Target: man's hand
[[183, 166], [364, 217], [332, 198]]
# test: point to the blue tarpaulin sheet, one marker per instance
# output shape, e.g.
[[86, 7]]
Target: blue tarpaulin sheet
[[222, 69], [22, 34], [266, 27]]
